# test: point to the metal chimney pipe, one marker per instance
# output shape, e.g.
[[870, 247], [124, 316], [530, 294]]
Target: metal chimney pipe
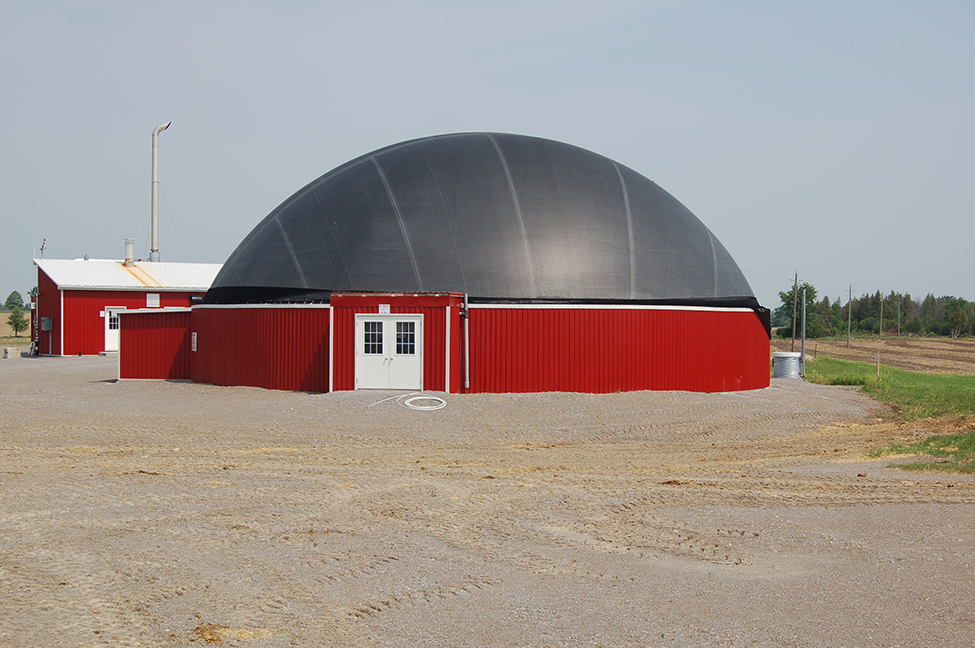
[[129, 252], [154, 248]]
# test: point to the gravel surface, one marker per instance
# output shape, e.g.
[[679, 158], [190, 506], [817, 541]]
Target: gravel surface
[[170, 513]]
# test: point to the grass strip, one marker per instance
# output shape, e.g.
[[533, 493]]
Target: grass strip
[[913, 395]]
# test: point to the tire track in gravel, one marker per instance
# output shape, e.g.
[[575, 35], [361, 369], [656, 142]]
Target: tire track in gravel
[[71, 591], [279, 518], [789, 489], [469, 585], [631, 527], [483, 520]]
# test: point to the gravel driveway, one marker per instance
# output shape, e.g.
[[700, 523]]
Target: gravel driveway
[[169, 513]]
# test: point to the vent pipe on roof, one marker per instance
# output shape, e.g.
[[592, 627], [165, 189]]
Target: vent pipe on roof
[[154, 248], [129, 252]]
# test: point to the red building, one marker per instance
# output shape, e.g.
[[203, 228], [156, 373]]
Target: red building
[[432, 342], [78, 301], [476, 262]]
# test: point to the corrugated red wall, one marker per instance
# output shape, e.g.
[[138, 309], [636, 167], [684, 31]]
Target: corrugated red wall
[[512, 348], [48, 305], [83, 327], [434, 309], [599, 350], [155, 344], [275, 347]]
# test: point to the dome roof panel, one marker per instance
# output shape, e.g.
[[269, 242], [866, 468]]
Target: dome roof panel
[[493, 215]]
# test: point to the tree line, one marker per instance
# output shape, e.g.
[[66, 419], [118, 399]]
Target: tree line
[[891, 314]]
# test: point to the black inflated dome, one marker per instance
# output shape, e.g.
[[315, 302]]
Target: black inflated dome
[[500, 217]]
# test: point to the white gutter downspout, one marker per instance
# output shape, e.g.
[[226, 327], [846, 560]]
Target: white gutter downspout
[[446, 380], [467, 344], [154, 248], [331, 348]]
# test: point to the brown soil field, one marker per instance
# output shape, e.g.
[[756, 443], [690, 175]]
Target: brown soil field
[[911, 353], [141, 513]]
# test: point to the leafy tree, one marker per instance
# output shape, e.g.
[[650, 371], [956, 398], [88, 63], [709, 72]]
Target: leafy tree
[[14, 300], [838, 318], [868, 325], [17, 321], [930, 306], [944, 315], [825, 319], [783, 314], [911, 308], [901, 314], [959, 321]]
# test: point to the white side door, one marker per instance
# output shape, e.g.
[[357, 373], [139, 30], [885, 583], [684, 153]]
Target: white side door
[[112, 327], [389, 351]]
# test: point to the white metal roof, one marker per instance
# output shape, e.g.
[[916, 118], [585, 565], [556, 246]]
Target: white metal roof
[[102, 274]]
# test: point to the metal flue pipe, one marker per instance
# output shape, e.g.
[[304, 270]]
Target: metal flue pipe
[[154, 248]]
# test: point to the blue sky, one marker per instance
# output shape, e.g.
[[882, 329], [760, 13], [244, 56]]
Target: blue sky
[[832, 139]]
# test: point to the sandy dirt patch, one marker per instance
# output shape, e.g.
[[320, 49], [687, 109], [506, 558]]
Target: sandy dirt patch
[[169, 513]]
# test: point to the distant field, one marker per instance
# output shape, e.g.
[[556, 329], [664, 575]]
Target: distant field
[[913, 354], [7, 334]]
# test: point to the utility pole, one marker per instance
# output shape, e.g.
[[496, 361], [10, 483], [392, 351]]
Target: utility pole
[[899, 300], [849, 317], [802, 354], [795, 297], [881, 332]]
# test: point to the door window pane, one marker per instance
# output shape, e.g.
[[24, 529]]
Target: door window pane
[[372, 338], [405, 338]]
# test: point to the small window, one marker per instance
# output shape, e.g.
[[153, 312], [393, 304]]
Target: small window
[[372, 338], [405, 338], [113, 321], [152, 300]]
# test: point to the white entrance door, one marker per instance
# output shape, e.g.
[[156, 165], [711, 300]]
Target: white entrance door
[[112, 327], [389, 351]]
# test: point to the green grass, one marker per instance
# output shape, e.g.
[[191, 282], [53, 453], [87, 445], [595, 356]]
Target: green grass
[[949, 453], [913, 396]]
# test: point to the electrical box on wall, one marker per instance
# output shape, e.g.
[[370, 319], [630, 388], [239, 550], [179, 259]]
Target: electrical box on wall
[[47, 323]]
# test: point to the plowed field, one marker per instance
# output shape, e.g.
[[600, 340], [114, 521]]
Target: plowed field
[[913, 354]]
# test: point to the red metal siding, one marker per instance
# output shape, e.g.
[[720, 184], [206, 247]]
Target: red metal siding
[[83, 328], [456, 349], [48, 305], [434, 310], [270, 347], [580, 349], [155, 345], [606, 350]]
